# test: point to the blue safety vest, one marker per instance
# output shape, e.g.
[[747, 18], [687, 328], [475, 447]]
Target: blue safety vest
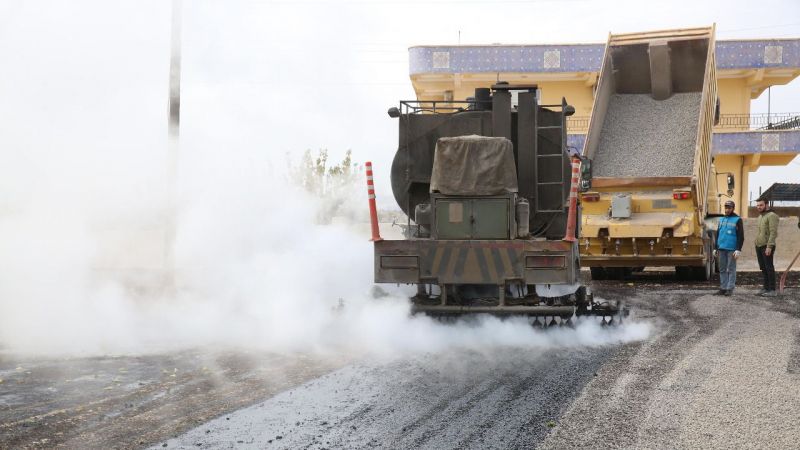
[[726, 233]]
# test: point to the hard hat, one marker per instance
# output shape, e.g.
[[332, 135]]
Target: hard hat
[[730, 203]]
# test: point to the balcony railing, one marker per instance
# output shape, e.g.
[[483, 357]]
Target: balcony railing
[[577, 124], [772, 121], [732, 122]]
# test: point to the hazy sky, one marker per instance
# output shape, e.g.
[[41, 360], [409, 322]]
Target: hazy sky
[[285, 76]]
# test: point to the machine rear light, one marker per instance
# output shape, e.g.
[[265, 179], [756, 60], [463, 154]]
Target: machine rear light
[[681, 195], [590, 197]]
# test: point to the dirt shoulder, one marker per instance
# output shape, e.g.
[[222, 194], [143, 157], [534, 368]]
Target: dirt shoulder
[[131, 402]]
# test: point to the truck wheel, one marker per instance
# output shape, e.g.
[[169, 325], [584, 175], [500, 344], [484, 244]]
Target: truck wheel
[[708, 273], [705, 272], [598, 273], [618, 273], [700, 273], [681, 273], [580, 297]]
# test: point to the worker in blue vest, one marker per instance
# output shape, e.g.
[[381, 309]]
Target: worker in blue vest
[[730, 238]]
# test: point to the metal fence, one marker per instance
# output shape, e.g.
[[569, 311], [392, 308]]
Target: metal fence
[[577, 124], [772, 121]]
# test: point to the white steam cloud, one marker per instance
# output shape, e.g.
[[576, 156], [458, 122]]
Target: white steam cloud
[[253, 271], [83, 200]]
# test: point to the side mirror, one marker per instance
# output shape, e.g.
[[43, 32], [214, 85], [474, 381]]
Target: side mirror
[[394, 112], [586, 174]]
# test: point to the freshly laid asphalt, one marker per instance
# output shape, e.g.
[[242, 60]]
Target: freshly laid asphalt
[[717, 372], [714, 372]]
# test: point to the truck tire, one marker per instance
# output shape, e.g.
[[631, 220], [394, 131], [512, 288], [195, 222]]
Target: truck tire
[[700, 273], [682, 273], [618, 273], [708, 273], [705, 272], [598, 273]]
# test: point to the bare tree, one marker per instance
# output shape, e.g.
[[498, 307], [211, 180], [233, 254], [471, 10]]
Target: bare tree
[[334, 185]]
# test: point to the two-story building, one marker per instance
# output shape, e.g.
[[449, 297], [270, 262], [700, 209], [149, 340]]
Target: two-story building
[[742, 142]]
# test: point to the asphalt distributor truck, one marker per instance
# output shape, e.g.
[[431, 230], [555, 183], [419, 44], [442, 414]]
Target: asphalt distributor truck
[[486, 188]]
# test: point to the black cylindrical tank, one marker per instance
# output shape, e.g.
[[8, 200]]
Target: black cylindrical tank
[[483, 99]]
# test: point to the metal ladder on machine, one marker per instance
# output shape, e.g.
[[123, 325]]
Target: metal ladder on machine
[[540, 186]]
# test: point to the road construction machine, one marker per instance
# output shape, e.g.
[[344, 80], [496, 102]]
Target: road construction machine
[[486, 189]]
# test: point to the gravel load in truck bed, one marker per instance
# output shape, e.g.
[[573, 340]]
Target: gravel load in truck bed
[[643, 137]]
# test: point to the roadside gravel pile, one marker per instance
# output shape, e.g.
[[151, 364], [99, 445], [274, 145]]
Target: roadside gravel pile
[[722, 374], [643, 137]]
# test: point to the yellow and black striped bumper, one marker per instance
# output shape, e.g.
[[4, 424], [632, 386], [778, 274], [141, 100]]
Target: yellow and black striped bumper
[[475, 262]]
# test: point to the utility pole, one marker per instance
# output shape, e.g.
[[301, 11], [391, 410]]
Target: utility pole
[[769, 107], [173, 132], [175, 72]]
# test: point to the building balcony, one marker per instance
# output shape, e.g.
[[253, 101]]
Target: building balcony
[[435, 70], [543, 58]]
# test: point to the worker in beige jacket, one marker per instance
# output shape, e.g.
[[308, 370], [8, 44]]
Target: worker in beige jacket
[[765, 246]]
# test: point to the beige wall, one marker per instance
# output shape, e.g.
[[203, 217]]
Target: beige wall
[[577, 93], [735, 164], [734, 96]]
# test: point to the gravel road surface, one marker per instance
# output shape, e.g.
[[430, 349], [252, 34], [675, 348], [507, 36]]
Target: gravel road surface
[[719, 372], [723, 373], [716, 372]]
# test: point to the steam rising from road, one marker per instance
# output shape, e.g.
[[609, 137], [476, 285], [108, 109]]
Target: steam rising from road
[[253, 271], [84, 194]]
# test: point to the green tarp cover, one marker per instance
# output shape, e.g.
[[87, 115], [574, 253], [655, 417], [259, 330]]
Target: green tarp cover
[[473, 165]]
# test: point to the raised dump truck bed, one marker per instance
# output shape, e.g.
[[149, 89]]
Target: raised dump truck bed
[[649, 141]]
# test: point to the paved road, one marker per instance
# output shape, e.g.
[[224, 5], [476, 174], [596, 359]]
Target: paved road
[[718, 372], [461, 399], [723, 373], [715, 372]]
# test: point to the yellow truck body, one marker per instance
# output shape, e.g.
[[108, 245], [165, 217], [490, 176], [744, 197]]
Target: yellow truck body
[[649, 143]]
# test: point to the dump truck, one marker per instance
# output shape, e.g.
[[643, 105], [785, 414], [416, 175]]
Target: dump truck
[[486, 187], [650, 203]]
